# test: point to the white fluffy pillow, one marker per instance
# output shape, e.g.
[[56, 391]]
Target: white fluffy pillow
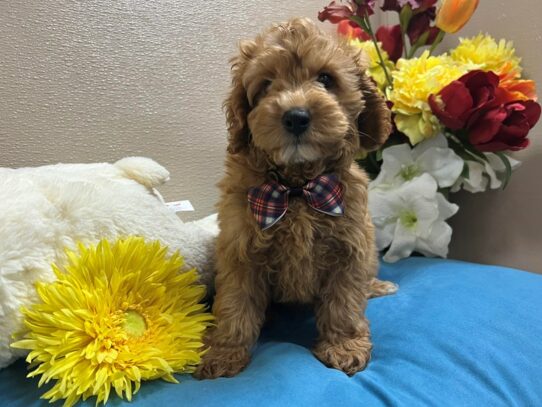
[[43, 210]]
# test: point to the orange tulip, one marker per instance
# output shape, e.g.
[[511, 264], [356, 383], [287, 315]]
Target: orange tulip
[[454, 14]]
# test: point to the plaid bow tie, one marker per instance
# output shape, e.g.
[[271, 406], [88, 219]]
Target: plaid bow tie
[[269, 202]]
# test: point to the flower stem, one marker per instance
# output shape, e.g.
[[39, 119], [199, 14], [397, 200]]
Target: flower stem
[[404, 19], [413, 50], [404, 36], [370, 31], [420, 42], [438, 40]]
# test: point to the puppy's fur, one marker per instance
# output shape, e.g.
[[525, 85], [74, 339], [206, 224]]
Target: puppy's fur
[[308, 257]]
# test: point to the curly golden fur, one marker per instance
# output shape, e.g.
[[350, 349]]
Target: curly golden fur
[[308, 257]]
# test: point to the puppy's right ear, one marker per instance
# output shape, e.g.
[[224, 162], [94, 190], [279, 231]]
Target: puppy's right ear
[[236, 104]]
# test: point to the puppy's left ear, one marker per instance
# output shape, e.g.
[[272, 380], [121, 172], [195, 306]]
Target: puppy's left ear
[[236, 104], [374, 122]]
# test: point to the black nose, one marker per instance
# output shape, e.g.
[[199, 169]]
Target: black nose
[[296, 121]]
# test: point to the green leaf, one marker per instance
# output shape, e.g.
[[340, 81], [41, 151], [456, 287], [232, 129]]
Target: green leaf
[[420, 43], [460, 151], [361, 22], [474, 152], [404, 17], [463, 145], [445, 192], [508, 168], [438, 40], [370, 164], [466, 171], [374, 161], [422, 40]]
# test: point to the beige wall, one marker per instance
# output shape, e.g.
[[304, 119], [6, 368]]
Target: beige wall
[[97, 80]]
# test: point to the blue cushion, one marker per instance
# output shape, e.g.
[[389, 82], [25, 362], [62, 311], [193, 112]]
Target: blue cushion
[[455, 334]]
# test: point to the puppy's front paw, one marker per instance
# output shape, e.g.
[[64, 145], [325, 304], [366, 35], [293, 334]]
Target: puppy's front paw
[[379, 288], [222, 362], [348, 355]]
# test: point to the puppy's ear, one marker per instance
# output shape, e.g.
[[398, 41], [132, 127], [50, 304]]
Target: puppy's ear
[[236, 105], [374, 122]]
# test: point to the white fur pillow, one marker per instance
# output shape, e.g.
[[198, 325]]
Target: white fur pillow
[[44, 210]]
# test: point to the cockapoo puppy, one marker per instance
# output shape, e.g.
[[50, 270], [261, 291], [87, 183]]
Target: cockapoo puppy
[[294, 224]]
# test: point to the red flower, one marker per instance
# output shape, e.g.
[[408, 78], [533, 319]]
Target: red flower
[[433, 32], [423, 5], [420, 23], [463, 97], [351, 30], [418, 6], [391, 5], [475, 103], [423, 13], [335, 13], [365, 7], [392, 40], [505, 127]]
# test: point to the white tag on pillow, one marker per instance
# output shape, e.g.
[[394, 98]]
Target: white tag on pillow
[[180, 206]]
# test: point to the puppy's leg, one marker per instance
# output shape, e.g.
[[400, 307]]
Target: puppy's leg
[[240, 303], [344, 341], [379, 288]]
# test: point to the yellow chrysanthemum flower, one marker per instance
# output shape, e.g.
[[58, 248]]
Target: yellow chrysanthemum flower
[[375, 69], [117, 315], [489, 55], [484, 53], [413, 81]]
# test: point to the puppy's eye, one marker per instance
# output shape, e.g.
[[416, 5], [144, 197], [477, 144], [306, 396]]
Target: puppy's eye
[[325, 79], [261, 90], [265, 84]]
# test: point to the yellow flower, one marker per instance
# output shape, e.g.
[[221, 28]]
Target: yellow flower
[[489, 55], [500, 57], [375, 69], [413, 81], [117, 315]]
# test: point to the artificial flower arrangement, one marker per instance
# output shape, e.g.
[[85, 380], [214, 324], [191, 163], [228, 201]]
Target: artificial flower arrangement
[[455, 116]]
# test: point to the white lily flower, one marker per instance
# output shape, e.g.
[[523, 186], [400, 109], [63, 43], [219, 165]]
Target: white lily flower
[[481, 176], [411, 218], [433, 156]]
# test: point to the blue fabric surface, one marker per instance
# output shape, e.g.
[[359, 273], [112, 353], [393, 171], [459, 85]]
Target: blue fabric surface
[[456, 334]]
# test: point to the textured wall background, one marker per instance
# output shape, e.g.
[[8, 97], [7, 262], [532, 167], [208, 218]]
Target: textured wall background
[[97, 80]]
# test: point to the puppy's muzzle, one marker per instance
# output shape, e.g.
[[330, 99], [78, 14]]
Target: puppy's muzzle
[[296, 121]]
